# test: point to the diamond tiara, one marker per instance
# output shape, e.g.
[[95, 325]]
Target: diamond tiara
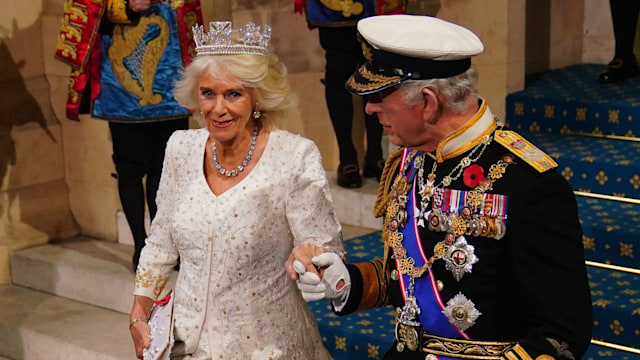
[[220, 40]]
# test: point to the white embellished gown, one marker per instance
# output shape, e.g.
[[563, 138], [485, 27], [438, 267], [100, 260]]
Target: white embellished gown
[[233, 297]]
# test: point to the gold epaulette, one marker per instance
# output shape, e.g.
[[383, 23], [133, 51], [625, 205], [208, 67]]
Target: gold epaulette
[[526, 151], [391, 166]]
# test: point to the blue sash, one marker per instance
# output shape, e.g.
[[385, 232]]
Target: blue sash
[[426, 292], [139, 67]]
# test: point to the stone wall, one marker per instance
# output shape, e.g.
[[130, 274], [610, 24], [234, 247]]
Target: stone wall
[[55, 174], [34, 194]]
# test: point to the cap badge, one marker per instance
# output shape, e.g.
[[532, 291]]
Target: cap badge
[[367, 51]]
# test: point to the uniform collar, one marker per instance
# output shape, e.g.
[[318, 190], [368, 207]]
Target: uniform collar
[[468, 136]]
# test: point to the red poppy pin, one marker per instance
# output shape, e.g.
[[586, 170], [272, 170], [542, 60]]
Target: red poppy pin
[[473, 175], [163, 301]]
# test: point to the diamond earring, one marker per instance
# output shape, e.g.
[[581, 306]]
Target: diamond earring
[[256, 112]]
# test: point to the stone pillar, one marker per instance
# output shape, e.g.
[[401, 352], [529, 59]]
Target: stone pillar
[[500, 24]]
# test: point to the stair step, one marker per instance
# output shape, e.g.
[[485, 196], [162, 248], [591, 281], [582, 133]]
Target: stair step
[[571, 99], [595, 165], [39, 326], [361, 335], [598, 352], [611, 231], [82, 269], [616, 306]]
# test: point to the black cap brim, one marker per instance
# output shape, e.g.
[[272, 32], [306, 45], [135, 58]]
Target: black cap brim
[[364, 81]]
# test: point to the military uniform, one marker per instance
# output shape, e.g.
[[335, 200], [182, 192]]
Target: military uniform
[[483, 252]]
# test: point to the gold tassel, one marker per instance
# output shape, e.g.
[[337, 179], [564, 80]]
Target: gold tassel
[[391, 167]]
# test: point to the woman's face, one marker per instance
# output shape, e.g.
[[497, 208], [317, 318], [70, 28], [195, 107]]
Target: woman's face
[[226, 107]]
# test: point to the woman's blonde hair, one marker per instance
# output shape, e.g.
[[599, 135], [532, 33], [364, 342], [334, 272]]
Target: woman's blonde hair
[[264, 75]]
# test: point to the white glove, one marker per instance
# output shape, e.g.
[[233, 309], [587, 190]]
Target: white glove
[[313, 288], [309, 283]]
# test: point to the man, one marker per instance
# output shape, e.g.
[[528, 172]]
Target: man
[[125, 57], [336, 23], [483, 253], [624, 16]]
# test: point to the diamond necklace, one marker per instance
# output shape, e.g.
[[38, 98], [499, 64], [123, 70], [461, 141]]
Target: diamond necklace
[[245, 162]]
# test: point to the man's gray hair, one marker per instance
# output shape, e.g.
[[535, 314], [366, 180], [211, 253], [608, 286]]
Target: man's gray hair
[[460, 91]]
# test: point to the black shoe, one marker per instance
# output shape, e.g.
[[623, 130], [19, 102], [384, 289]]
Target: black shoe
[[618, 70], [349, 176], [374, 170]]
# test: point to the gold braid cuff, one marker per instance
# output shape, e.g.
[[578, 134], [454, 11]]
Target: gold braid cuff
[[117, 11], [375, 279]]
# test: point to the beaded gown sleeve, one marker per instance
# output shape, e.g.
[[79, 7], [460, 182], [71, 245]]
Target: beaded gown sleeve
[[154, 269], [309, 207]]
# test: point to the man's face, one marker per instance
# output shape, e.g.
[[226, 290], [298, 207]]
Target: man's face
[[404, 124]]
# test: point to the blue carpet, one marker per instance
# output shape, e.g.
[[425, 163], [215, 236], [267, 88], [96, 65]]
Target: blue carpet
[[369, 334], [596, 165], [615, 296], [365, 334], [611, 231], [572, 99], [595, 352]]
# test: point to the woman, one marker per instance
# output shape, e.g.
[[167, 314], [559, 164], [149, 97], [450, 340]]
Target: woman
[[235, 197]]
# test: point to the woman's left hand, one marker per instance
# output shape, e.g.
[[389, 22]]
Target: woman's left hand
[[139, 328], [303, 253], [140, 332]]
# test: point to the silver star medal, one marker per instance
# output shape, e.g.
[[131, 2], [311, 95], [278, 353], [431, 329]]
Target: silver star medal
[[461, 312], [460, 257]]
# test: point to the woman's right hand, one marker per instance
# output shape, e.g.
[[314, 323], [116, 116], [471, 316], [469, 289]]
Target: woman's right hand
[[140, 333]]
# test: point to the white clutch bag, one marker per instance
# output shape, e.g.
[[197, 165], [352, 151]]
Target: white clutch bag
[[161, 324]]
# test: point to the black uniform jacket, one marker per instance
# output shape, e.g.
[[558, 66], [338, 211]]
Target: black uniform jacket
[[531, 285]]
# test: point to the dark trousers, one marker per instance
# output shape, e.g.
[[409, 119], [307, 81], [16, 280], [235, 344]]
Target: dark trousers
[[624, 14], [138, 150], [343, 56]]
